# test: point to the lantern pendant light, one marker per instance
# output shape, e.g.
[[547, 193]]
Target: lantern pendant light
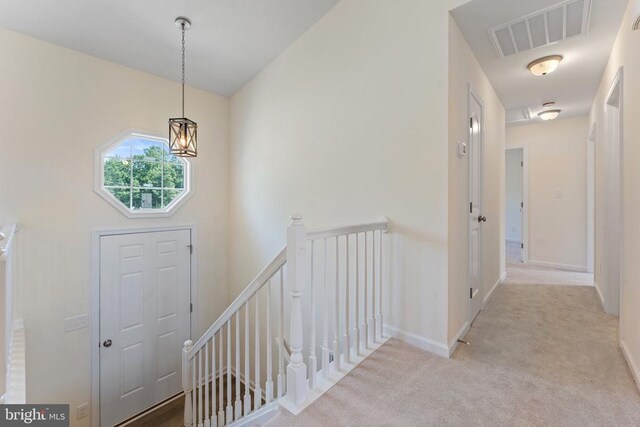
[[183, 133]]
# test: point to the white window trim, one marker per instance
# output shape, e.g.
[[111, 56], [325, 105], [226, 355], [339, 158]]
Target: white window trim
[[98, 178]]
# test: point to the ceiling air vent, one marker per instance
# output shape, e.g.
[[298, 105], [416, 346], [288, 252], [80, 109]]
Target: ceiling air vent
[[559, 22], [517, 115]]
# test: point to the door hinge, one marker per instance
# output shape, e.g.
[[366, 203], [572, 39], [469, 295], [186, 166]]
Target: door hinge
[[471, 122], [191, 308], [190, 249], [522, 164], [470, 207], [471, 293], [522, 204], [521, 245]]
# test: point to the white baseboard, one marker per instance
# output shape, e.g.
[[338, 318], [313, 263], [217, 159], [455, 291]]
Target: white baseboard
[[453, 345], [259, 417], [568, 267], [490, 294], [599, 292], [415, 340], [631, 362]]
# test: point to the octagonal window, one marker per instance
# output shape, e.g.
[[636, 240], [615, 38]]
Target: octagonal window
[[137, 174]]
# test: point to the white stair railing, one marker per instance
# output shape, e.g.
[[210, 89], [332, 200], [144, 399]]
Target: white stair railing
[[218, 354], [12, 331]]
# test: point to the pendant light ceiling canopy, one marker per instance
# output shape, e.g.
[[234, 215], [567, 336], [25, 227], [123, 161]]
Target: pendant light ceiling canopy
[[183, 133], [544, 66]]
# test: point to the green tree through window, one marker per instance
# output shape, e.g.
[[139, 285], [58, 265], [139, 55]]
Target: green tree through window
[[141, 174]]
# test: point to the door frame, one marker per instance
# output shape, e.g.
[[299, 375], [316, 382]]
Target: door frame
[[472, 95], [617, 88], [95, 299], [525, 198], [591, 198]]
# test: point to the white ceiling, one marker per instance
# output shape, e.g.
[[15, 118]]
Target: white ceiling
[[572, 86], [229, 43]]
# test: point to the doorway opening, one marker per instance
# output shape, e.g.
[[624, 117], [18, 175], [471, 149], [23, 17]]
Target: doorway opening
[[516, 204]]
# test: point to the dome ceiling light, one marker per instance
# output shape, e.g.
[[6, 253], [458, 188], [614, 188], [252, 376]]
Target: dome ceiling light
[[548, 112], [544, 66]]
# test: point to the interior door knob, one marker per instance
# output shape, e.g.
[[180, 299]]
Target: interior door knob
[[107, 343], [482, 218]]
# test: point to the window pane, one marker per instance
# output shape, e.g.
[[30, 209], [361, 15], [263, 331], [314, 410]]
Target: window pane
[[170, 195], [174, 175], [121, 194], [147, 199], [168, 157], [117, 172], [147, 174], [146, 149], [122, 151]]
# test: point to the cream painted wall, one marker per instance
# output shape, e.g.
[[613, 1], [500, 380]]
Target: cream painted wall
[[345, 126], [57, 106], [557, 189], [624, 54], [513, 195], [464, 69]]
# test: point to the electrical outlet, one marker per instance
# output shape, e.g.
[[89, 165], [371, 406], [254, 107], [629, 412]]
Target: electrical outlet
[[82, 411], [75, 323]]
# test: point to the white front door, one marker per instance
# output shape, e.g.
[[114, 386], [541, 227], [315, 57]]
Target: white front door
[[476, 218], [145, 293]]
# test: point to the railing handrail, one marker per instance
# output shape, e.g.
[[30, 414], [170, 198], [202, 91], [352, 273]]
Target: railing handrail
[[383, 225], [272, 268], [256, 284], [294, 383]]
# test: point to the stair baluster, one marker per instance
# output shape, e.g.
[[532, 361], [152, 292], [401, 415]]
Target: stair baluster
[[313, 362], [296, 276], [247, 363], [187, 384], [347, 335]]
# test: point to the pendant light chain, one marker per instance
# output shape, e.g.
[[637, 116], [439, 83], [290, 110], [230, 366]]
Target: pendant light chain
[[183, 54], [183, 132]]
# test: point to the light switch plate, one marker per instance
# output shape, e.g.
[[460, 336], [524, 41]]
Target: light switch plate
[[76, 322]]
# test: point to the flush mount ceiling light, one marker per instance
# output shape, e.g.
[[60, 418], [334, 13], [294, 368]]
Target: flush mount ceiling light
[[549, 114], [544, 66], [183, 133]]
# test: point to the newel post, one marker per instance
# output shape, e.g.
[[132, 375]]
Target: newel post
[[187, 386], [296, 273]]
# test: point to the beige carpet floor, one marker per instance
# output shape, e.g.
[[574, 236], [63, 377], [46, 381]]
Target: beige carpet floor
[[539, 356]]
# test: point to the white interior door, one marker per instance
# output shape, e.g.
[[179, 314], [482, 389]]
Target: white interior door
[[476, 219], [144, 320]]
